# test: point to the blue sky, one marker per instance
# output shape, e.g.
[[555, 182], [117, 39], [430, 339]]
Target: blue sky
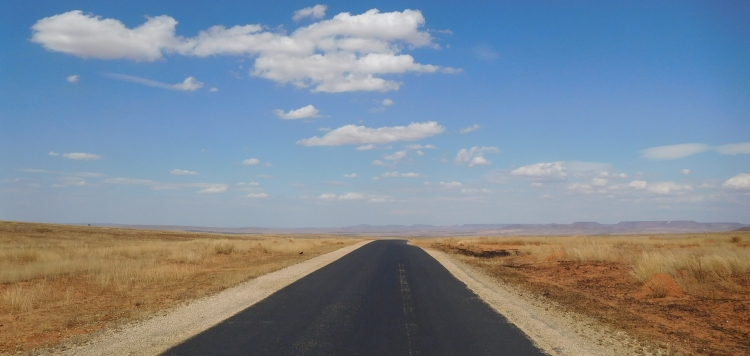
[[242, 113]]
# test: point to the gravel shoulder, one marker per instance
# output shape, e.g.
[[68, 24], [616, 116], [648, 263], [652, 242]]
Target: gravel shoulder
[[163, 331], [554, 330]]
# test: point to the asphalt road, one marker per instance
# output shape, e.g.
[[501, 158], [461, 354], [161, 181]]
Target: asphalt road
[[386, 298]]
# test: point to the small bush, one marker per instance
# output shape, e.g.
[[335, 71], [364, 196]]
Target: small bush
[[224, 248]]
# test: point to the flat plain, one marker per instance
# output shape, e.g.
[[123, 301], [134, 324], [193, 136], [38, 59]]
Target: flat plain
[[63, 283], [680, 293]]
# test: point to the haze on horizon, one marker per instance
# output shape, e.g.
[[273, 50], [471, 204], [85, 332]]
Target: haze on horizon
[[244, 113]]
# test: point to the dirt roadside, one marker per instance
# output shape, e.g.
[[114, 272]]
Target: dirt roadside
[[553, 329], [156, 335]]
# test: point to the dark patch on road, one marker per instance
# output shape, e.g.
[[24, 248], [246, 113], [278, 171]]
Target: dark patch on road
[[385, 298]]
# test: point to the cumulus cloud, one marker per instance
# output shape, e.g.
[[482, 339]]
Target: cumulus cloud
[[181, 172], [420, 147], [469, 129], [384, 104], [360, 135], [395, 156], [189, 84], [740, 181], [72, 78], [660, 187], [353, 175], [345, 53], [257, 195], [685, 171], [81, 156], [378, 162], [351, 196], [364, 147], [301, 113], [315, 12], [248, 184], [450, 185], [155, 185], [475, 155], [53, 153], [327, 196], [396, 174], [215, 189], [213, 89], [689, 149], [542, 171], [251, 161]]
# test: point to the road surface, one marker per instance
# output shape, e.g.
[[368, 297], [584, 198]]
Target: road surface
[[385, 298]]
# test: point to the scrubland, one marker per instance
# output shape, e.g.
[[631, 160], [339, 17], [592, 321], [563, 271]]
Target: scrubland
[[60, 282], [684, 293]]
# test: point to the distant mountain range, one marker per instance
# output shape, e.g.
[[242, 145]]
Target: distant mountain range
[[576, 228]]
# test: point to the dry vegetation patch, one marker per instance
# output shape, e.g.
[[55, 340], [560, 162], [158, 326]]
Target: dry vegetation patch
[[59, 282], [686, 293]]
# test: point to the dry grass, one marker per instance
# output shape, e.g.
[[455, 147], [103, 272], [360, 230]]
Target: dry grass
[[60, 281], [687, 292]]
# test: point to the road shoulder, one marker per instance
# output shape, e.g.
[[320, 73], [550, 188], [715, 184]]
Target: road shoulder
[[161, 332], [552, 329]]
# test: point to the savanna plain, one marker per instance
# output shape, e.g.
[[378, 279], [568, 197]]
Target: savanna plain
[[682, 294], [64, 283]]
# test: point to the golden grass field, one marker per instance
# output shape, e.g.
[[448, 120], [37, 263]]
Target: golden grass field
[[62, 282], [687, 293]]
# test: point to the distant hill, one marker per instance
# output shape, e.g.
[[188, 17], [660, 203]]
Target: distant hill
[[576, 228]]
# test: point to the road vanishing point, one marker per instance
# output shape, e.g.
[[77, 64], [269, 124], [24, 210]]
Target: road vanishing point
[[385, 298]]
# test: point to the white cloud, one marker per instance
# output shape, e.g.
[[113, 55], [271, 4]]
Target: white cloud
[[257, 195], [475, 190], [215, 189], [213, 89], [327, 196], [660, 187], [377, 200], [351, 196], [387, 102], [315, 12], [734, 148], [360, 135], [248, 183], [78, 156], [189, 84], [600, 182], [449, 185], [72, 78], [345, 53], [251, 161], [419, 147], [365, 147], [396, 174], [155, 185], [353, 175], [543, 171], [395, 156], [689, 149], [475, 155], [378, 162], [181, 172], [740, 181], [668, 187], [685, 171], [324, 129], [469, 129], [53, 153], [301, 113], [674, 151]]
